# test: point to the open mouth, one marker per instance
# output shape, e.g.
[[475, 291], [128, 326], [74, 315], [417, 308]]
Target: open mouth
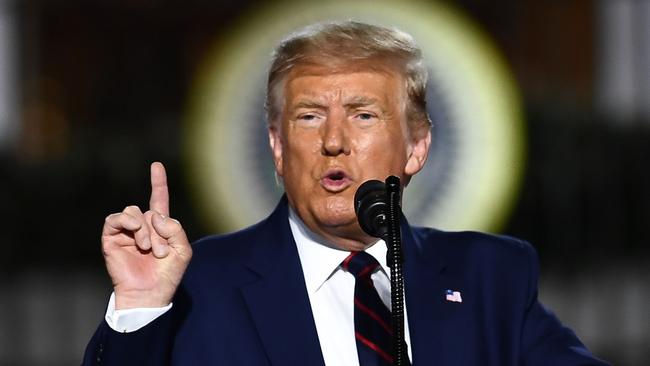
[[335, 180], [336, 176]]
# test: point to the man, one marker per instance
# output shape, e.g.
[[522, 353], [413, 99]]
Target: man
[[346, 103]]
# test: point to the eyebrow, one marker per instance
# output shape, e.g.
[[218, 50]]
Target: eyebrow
[[360, 101], [307, 103], [353, 102]]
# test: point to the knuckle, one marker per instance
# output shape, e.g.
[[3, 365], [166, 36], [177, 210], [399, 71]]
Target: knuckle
[[132, 209], [174, 225], [176, 230], [111, 217]]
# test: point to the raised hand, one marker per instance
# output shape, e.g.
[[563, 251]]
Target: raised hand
[[146, 253]]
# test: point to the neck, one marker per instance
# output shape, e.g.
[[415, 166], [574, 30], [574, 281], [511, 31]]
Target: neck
[[337, 238]]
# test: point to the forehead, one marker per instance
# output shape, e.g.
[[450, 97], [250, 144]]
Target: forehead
[[360, 82]]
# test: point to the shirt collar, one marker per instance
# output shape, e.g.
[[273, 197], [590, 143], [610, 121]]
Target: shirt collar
[[319, 259]]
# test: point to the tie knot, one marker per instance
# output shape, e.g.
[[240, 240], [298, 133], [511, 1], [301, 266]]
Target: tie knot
[[360, 264]]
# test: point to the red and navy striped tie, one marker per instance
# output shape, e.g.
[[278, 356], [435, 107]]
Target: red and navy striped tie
[[372, 321]]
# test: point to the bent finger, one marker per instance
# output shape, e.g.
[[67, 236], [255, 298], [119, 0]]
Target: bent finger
[[133, 210], [119, 222], [141, 235]]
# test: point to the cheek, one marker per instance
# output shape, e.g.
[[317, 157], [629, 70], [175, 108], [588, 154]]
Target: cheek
[[381, 152], [299, 154]]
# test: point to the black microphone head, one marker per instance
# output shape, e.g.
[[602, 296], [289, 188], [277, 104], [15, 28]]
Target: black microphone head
[[370, 207]]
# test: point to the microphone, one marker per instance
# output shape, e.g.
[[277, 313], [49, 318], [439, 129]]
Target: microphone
[[370, 207]]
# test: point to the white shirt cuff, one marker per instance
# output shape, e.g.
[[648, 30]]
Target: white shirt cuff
[[130, 320]]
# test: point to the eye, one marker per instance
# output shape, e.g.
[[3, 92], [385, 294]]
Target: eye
[[307, 117], [365, 116]]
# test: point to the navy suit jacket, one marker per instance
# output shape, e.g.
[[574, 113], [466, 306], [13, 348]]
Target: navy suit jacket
[[243, 301]]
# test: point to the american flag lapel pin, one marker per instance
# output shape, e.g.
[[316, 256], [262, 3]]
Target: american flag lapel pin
[[453, 296]]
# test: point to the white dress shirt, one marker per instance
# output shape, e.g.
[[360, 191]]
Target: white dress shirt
[[330, 290]]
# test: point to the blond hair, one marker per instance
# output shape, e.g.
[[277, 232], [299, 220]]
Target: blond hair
[[340, 44]]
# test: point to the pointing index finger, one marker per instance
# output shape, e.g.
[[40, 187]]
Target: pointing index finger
[[159, 200]]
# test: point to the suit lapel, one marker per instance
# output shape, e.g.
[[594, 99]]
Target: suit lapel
[[278, 301]]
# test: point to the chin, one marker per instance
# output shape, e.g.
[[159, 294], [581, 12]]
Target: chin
[[337, 211]]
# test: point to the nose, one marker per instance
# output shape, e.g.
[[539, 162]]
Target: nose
[[335, 135]]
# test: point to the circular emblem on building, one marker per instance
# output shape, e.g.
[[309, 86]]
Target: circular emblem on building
[[476, 161]]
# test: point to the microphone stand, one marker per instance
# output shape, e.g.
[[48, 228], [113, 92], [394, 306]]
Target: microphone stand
[[395, 260], [377, 206]]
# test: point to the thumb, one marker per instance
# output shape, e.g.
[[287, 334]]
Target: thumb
[[171, 230]]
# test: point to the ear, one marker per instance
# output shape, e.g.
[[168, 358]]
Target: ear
[[419, 151], [275, 141]]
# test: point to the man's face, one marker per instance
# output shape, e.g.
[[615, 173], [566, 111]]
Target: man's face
[[336, 131]]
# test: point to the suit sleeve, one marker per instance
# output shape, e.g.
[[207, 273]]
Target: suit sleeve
[[150, 345], [545, 341]]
